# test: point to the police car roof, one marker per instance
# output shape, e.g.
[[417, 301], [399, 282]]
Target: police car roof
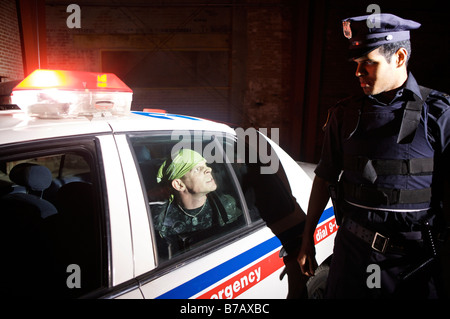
[[16, 126]]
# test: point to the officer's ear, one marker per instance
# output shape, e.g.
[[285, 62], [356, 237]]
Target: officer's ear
[[178, 184], [401, 57]]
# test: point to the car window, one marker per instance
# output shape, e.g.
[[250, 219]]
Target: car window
[[249, 195], [179, 228], [51, 223]]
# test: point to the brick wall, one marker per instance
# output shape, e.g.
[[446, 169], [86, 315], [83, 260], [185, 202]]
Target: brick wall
[[198, 42], [61, 50], [11, 65], [173, 57], [267, 98]]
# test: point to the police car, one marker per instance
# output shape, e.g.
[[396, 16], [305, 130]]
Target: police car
[[78, 183]]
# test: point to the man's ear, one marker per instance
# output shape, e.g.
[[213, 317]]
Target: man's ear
[[177, 184], [401, 57]]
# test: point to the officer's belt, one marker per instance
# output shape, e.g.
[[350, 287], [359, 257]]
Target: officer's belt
[[370, 169], [374, 196], [401, 244]]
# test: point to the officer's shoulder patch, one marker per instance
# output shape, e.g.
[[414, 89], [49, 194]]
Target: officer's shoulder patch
[[344, 100], [353, 100], [441, 95], [341, 107], [434, 94], [438, 102]]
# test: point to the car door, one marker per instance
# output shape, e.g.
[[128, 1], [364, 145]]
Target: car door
[[238, 259], [54, 237]]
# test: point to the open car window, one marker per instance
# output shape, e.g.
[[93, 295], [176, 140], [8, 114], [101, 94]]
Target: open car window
[[178, 229], [245, 196]]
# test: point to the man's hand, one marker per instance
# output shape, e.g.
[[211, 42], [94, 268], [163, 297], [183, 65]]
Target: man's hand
[[317, 202], [306, 258]]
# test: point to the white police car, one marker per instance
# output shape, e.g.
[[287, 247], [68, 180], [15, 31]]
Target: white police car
[[78, 183]]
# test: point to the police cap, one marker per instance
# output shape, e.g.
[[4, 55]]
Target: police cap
[[366, 33]]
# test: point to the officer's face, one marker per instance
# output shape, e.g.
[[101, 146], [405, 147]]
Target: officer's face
[[375, 74], [199, 180]]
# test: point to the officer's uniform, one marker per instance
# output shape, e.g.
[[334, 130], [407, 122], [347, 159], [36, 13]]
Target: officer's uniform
[[389, 159]]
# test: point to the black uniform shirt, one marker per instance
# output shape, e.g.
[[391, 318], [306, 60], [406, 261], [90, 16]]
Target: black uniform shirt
[[438, 121], [343, 120]]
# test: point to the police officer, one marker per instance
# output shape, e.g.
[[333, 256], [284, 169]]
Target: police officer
[[383, 159], [194, 211]]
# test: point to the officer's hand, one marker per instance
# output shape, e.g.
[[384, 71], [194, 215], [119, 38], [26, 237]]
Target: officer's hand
[[306, 258]]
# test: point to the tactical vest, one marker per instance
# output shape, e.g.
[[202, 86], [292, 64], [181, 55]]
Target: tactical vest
[[388, 160]]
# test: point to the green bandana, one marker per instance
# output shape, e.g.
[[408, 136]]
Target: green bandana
[[182, 163]]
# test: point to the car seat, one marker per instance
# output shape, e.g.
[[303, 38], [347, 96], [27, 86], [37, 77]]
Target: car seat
[[27, 258]]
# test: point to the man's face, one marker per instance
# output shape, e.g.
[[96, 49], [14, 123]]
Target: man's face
[[375, 74], [199, 179]]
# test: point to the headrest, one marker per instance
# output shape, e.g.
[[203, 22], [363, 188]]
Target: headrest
[[32, 176], [142, 153]]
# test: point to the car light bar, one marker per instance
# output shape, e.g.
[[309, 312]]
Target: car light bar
[[61, 94]]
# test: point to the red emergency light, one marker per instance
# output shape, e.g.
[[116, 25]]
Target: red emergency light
[[59, 93], [72, 80]]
